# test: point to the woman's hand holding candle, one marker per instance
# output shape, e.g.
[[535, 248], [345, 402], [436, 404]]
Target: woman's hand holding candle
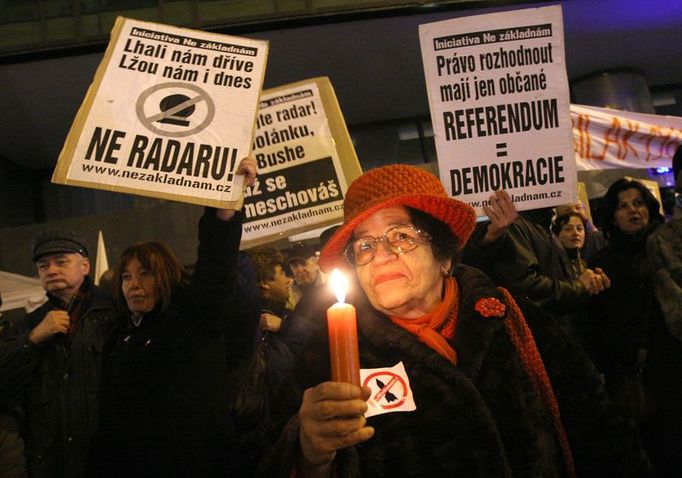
[[332, 414], [331, 417]]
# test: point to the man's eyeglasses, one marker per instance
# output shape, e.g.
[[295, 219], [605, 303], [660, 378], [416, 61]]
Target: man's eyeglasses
[[399, 240]]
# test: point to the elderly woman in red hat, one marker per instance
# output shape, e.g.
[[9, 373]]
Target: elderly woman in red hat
[[457, 380]]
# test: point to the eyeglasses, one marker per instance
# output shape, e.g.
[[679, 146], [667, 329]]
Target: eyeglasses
[[399, 240]]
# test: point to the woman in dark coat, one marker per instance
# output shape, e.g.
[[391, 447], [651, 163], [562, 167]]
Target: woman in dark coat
[[570, 231], [631, 341], [166, 406], [454, 383]]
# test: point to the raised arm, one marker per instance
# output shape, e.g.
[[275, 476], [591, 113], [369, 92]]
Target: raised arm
[[509, 249], [214, 278]]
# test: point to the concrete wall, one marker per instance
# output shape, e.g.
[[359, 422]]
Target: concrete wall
[[170, 222]]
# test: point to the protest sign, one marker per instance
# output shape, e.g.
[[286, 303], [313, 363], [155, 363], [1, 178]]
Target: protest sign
[[305, 162], [169, 114], [606, 138], [499, 101]]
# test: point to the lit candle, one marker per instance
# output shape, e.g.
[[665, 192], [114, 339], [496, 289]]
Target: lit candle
[[343, 334]]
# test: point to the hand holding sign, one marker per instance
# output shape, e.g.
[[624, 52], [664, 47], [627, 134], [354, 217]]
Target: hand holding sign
[[502, 214], [247, 168]]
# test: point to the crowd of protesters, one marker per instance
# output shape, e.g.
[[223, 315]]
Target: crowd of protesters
[[533, 344]]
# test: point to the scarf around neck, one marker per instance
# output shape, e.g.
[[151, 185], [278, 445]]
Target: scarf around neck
[[438, 326]]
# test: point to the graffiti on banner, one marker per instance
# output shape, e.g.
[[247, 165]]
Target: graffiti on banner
[[605, 138]]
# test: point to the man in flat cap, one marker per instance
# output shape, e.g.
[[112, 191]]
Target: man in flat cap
[[50, 360], [307, 274]]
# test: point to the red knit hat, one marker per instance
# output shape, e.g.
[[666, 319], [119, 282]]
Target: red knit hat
[[396, 185]]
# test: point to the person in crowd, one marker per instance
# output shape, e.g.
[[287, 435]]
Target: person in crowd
[[594, 239], [520, 252], [51, 359], [106, 281], [665, 250], [569, 228], [458, 386], [246, 322], [319, 298], [303, 262], [639, 357], [12, 460], [274, 287], [287, 333], [166, 408]]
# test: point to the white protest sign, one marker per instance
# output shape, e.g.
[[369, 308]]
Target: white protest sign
[[305, 162], [169, 114], [499, 100]]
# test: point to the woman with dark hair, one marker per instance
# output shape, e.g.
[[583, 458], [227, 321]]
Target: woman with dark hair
[[455, 379], [166, 398], [634, 350], [158, 272], [570, 230], [630, 209]]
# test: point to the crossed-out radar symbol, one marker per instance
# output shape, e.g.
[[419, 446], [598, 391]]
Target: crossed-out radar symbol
[[175, 109]]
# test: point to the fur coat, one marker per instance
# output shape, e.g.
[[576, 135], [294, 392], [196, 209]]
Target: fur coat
[[479, 418]]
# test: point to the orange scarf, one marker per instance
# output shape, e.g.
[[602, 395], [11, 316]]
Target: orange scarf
[[436, 327]]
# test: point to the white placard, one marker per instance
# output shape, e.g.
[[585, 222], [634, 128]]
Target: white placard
[[170, 113], [305, 162], [499, 100]]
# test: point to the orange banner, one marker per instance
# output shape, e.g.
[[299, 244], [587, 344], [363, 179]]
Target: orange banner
[[605, 138]]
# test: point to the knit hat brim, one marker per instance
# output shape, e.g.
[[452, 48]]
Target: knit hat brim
[[459, 216]]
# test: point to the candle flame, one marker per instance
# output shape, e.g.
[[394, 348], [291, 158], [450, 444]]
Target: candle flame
[[339, 284]]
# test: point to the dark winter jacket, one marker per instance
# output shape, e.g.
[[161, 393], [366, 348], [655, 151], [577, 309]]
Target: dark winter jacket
[[58, 384], [295, 331], [280, 357], [625, 317], [166, 413], [665, 250], [312, 310], [12, 449], [479, 418], [594, 242], [632, 339], [529, 262]]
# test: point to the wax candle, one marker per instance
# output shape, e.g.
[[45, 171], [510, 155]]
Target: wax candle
[[343, 334]]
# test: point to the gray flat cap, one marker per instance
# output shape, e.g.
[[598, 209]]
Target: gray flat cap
[[53, 241]]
